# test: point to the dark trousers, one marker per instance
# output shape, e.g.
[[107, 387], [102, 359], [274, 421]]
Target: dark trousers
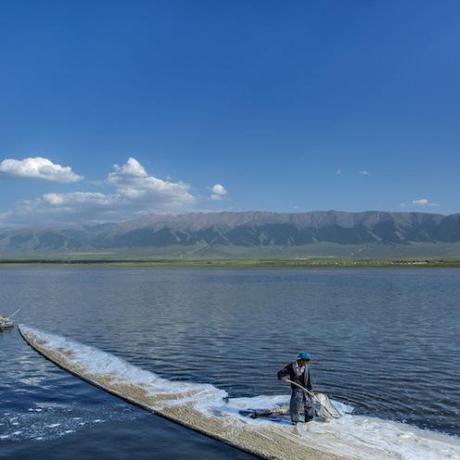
[[300, 404]]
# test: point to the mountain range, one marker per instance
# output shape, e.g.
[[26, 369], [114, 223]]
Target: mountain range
[[237, 229]]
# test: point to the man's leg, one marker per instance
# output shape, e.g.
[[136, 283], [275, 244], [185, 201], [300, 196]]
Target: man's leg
[[295, 405], [309, 409]]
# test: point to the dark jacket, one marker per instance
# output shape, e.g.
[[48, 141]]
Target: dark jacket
[[303, 379]]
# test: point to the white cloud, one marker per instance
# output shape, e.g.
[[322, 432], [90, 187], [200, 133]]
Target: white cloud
[[131, 168], [78, 198], [132, 182], [423, 202], [218, 192], [66, 207], [364, 172], [38, 168], [134, 192]]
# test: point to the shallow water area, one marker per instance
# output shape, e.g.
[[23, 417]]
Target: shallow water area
[[212, 332]]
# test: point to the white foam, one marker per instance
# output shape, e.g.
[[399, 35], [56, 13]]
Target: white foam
[[352, 435], [97, 362], [55, 422]]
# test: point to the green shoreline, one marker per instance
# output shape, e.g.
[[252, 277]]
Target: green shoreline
[[227, 263]]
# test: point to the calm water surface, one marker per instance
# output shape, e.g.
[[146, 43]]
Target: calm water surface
[[385, 341]]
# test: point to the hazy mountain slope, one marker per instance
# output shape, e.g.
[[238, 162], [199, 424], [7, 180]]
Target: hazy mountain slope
[[244, 229]]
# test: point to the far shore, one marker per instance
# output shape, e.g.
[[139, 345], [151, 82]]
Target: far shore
[[226, 263]]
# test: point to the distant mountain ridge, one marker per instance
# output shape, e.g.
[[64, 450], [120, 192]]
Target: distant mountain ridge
[[244, 229]]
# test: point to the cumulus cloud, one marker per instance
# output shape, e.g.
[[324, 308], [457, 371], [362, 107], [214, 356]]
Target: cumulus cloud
[[132, 182], [420, 203], [364, 172], [133, 192], [78, 198], [67, 207], [38, 168], [423, 202], [218, 192]]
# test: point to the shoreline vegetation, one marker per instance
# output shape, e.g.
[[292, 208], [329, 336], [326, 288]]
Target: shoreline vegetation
[[226, 263]]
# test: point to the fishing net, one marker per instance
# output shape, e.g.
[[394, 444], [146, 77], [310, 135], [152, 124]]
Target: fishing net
[[324, 408]]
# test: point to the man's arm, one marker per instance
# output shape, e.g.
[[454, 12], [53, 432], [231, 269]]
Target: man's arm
[[283, 373]]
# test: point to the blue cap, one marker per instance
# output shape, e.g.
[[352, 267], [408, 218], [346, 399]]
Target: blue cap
[[304, 356]]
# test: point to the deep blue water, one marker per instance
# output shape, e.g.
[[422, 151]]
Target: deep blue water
[[385, 341]]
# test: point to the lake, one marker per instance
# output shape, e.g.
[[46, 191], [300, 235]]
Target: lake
[[385, 342]]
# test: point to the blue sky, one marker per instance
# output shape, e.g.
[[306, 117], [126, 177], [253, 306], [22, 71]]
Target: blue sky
[[285, 106]]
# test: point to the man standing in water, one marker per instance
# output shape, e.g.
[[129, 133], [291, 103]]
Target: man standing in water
[[299, 373]]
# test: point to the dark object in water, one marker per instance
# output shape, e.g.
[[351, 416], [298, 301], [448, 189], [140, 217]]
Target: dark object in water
[[5, 323], [256, 413]]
